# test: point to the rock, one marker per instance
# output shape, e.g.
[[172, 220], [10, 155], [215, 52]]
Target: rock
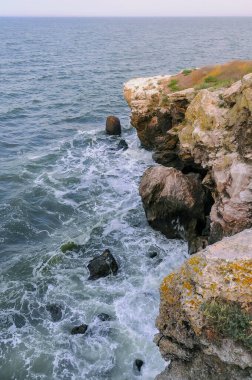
[[79, 329], [173, 202], [122, 145], [113, 126], [55, 311], [102, 266], [152, 255], [69, 246], [137, 366], [104, 317], [206, 312]]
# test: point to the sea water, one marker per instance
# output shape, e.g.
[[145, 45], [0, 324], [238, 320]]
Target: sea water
[[62, 179]]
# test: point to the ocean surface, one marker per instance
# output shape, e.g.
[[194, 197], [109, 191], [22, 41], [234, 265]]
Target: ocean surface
[[62, 178]]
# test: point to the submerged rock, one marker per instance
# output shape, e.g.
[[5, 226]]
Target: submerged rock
[[122, 145], [206, 313], [104, 317], [79, 329], [173, 202], [102, 266], [137, 366], [55, 310], [152, 255], [113, 126], [69, 246], [19, 320]]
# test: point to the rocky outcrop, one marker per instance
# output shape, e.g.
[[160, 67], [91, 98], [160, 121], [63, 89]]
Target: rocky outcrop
[[175, 204], [204, 324], [206, 129]]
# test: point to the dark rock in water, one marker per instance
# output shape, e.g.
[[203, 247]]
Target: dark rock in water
[[104, 317], [122, 145], [55, 311], [69, 246], [138, 363], [79, 329], [113, 126], [152, 255], [102, 266]]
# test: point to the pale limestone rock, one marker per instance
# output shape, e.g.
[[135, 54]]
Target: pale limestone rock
[[221, 272], [207, 130]]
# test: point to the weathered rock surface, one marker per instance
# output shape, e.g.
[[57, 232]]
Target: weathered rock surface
[[206, 313], [113, 126], [174, 203], [204, 131], [102, 266]]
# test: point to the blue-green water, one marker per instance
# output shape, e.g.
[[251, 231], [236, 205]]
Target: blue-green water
[[62, 179]]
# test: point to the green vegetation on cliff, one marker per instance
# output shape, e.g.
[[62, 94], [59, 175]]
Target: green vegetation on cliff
[[229, 320]]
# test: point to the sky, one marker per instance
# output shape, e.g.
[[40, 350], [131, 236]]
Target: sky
[[126, 8]]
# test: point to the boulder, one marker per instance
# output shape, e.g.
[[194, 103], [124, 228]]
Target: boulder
[[102, 266], [206, 312], [55, 311], [113, 126], [173, 202], [79, 329]]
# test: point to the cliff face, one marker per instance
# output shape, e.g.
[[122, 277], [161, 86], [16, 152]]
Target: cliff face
[[206, 314], [199, 125], [205, 131]]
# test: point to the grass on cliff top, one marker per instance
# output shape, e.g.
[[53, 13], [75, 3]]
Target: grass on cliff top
[[173, 85], [215, 76], [229, 320], [214, 83]]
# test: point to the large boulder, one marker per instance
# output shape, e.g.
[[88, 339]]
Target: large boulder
[[113, 126], [206, 313], [174, 203], [102, 266]]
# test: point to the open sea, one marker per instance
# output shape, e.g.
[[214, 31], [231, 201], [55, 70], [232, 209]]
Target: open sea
[[62, 178]]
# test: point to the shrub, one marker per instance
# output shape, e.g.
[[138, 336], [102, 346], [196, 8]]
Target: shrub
[[173, 85], [187, 72], [229, 320]]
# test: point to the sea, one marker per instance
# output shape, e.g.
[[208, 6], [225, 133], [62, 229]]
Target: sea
[[63, 179]]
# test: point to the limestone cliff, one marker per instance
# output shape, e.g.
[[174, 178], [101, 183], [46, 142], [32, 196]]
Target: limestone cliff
[[206, 129], [199, 125], [205, 319]]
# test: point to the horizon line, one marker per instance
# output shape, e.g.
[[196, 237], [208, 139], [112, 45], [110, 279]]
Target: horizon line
[[129, 16]]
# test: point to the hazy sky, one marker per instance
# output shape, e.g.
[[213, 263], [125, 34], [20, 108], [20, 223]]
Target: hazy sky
[[125, 7]]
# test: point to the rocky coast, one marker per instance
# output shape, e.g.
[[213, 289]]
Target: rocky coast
[[198, 124]]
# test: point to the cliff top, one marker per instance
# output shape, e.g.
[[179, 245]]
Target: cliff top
[[215, 76]]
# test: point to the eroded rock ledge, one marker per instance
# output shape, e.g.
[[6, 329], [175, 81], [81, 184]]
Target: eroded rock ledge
[[206, 314], [207, 131]]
